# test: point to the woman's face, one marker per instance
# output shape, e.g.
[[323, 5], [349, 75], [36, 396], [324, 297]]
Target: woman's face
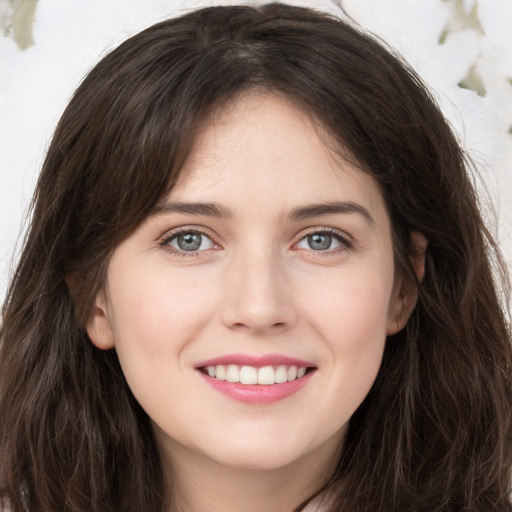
[[270, 262]]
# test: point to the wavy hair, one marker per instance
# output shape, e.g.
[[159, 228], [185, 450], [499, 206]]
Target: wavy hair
[[434, 433]]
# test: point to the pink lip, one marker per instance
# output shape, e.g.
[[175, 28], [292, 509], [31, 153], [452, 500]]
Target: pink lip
[[256, 361], [257, 393]]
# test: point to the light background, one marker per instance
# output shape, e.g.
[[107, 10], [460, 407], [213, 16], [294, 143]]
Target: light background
[[461, 48]]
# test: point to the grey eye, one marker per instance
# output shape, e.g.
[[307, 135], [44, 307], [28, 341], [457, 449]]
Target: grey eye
[[319, 242], [191, 241]]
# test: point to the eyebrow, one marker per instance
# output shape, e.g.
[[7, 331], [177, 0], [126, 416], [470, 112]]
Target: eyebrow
[[207, 209], [297, 214], [332, 208]]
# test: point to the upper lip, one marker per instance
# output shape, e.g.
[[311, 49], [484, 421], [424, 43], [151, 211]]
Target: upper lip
[[256, 361]]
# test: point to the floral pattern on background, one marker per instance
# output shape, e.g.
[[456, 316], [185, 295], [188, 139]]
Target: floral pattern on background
[[461, 48]]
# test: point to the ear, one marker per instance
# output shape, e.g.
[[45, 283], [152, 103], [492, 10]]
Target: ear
[[405, 294], [98, 326]]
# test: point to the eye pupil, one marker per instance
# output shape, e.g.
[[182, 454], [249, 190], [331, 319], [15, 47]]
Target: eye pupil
[[319, 242], [189, 241]]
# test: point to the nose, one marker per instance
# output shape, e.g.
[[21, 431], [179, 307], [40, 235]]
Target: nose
[[258, 295]]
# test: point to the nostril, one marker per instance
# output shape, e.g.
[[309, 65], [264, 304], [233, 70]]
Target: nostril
[[240, 325]]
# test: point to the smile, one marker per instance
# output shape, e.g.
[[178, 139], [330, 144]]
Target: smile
[[257, 380], [266, 375]]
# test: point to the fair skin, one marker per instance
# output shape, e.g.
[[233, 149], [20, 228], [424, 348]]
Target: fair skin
[[257, 272]]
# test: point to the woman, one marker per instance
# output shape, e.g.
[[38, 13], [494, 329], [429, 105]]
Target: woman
[[256, 278]]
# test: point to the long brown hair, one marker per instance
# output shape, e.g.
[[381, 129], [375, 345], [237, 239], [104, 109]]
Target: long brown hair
[[434, 433]]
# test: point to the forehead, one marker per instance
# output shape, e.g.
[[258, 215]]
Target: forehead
[[262, 145]]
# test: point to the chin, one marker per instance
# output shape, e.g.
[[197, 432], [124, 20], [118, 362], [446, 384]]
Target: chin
[[257, 459], [260, 452]]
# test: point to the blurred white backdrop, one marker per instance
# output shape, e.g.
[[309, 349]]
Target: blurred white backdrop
[[461, 48]]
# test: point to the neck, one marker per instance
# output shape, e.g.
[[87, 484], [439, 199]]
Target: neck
[[201, 484]]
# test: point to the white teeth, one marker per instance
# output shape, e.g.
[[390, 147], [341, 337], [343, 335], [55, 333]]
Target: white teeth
[[281, 374], [248, 375], [233, 373], [220, 372], [292, 373], [266, 375]]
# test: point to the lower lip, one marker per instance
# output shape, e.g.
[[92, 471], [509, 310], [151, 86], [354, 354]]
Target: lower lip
[[257, 393]]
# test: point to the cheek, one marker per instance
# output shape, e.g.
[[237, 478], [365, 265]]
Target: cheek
[[159, 312], [352, 307], [351, 319], [155, 317]]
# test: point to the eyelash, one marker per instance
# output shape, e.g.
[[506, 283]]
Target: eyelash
[[346, 242], [166, 241]]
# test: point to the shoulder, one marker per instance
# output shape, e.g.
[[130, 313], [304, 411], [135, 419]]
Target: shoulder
[[320, 503], [5, 505]]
